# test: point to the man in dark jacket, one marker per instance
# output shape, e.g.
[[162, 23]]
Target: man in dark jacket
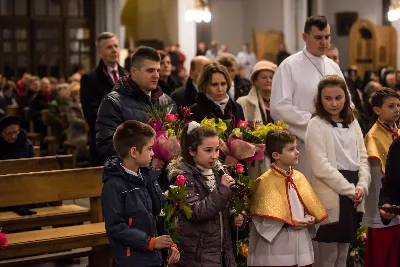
[[99, 82], [133, 98], [186, 95]]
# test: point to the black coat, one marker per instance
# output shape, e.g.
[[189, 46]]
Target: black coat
[[131, 206], [169, 86], [204, 107], [126, 102], [37, 104], [94, 86], [391, 183], [242, 87], [22, 148], [185, 96]]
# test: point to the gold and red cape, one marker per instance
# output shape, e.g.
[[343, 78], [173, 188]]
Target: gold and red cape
[[270, 196], [378, 141]]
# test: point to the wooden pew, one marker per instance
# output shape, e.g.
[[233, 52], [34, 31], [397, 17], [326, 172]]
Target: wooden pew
[[13, 111], [37, 164], [50, 244], [32, 135]]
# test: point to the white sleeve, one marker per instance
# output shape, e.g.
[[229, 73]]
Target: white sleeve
[[365, 171], [282, 107], [376, 174], [266, 227], [316, 149]]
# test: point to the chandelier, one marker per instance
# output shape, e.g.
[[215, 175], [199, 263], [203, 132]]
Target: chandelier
[[394, 10], [200, 13]]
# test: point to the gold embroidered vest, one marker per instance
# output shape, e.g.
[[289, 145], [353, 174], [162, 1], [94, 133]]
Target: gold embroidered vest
[[378, 141], [270, 196]]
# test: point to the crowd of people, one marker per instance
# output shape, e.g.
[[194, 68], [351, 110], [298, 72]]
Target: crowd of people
[[315, 180]]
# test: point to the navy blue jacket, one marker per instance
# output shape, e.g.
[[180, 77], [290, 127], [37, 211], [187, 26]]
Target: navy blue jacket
[[131, 205]]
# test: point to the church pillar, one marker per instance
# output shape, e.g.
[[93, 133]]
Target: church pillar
[[187, 38]]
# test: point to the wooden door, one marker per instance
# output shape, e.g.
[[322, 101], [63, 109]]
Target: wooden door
[[266, 45]]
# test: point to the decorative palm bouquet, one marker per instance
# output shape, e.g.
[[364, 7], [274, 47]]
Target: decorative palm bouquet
[[355, 258], [176, 195], [242, 141], [168, 129]]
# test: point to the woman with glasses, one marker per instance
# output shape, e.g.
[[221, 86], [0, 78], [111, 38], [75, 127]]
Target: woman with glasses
[[14, 143]]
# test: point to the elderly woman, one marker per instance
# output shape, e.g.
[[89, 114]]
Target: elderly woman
[[256, 106], [213, 101]]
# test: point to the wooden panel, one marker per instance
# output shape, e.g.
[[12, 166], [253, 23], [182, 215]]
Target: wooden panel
[[38, 187], [13, 111], [28, 261], [47, 216], [266, 45], [37, 164], [54, 240]]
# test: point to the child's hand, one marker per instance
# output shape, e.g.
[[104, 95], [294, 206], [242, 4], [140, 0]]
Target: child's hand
[[163, 241], [299, 224], [174, 255], [310, 219], [227, 180], [358, 197], [239, 220]]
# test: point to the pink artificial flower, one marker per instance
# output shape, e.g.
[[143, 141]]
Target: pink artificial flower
[[364, 238], [180, 180], [171, 117], [239, 168], [242, 124]]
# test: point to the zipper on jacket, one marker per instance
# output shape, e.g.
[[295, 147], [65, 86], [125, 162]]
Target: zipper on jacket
[[128, 249]]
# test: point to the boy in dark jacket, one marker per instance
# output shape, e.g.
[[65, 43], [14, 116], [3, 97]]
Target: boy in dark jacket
[[132, 200]]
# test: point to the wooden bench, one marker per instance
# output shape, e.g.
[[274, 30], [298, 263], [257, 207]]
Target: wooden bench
[[31, 247], [37, 164]]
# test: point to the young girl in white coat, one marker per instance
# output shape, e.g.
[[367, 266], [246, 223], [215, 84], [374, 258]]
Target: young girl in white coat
[[340, 170]]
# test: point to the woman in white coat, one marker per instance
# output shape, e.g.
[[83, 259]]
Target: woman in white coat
[[256, 106]]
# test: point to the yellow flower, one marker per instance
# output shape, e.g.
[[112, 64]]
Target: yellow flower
[[262, 130], [245, 250], [220, 126]]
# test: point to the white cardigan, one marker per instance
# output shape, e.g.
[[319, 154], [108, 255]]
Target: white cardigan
[[327, 181]]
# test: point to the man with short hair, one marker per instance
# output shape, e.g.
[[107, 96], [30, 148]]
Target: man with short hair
[[240, 87], [99, 82], [295, 83], [186, 95], [133, 97]]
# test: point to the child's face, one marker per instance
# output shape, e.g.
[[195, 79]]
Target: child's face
[[389, 112], [143, 158], [207, 153], [288, 157], [333, 100]]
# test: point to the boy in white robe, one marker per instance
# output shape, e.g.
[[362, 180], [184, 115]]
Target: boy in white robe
[[284, 209]]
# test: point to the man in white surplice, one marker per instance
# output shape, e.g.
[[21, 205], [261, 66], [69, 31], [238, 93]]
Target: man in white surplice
[[295, 83]]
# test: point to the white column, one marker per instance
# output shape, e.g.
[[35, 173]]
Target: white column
[[301, 16], [289, 25], [187, 38], [319, 7], [396, 25]]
